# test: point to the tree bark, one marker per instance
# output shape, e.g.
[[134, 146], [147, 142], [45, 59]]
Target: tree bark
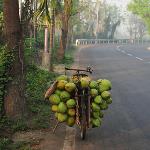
[[63, 42], [114, 29], [69, 36], [64, 30], [52, 35], [37, 57], [46, 55], [35, 22], [52, 28], [46, 40], [14, 101]]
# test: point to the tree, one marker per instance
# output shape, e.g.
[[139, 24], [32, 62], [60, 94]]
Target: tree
[[46, 11], [65, 16], [55, 10], [14, 100], [112, 21], [136, 27], [142, 9], [98, 20], [43, 16], [1, 23], [26, 14]]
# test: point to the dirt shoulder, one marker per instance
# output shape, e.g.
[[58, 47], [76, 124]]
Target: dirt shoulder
[[42, 139]]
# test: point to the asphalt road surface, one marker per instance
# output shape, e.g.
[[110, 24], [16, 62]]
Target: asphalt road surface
[[126, 124]]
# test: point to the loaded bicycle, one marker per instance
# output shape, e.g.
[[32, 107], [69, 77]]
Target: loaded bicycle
[[83, 100], [82, 103]]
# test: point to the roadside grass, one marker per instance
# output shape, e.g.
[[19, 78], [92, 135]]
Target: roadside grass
[[69, 56], [7, 144]]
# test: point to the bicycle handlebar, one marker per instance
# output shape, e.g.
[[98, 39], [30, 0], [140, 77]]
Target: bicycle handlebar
[[78, 70]]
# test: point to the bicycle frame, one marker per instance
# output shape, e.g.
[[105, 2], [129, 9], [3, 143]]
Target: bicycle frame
[[82, 96]]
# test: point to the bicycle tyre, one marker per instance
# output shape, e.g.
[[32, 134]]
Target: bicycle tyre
[[83, 127], [83, 118]]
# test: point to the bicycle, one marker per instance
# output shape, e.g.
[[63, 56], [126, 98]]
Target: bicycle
[[83, 100]]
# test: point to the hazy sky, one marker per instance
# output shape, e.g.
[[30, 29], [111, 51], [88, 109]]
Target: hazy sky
[[122, 3]]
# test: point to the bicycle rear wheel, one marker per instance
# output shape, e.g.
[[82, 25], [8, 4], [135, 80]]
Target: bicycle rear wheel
[[83, 126], [83, 120]]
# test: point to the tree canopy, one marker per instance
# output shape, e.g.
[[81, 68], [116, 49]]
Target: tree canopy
[[142, 9]]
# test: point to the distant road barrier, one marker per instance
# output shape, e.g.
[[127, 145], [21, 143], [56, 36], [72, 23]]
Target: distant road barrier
[[109, 41]]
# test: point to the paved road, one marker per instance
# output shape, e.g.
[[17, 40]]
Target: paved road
[[126, 125]]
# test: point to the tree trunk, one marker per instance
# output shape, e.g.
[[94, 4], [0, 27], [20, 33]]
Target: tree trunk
[[14, 101], [46, 40], [64, 30], [37, 57], [69, 36], [46, 55], [63, 38], [20, 8], [63, 42], [52, 32], [35, 24], [114, 29]]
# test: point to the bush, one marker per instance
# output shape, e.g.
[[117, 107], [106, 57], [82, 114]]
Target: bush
[[19, 125], [29, 50], [4, 143], [37, 82], [6, 58], [7, 144]]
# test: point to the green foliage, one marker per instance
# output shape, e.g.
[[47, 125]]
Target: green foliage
[[5, 123], [7, 144], [19, 146], [68, 60], [1, 28], [40, 38], [43, 11], [29, 50], [142, 9], [13, 126], [4, 143], [1, 23], [19, 125], [37, 82], [1, 5], [42, 120], [69, 56], [6, 58]]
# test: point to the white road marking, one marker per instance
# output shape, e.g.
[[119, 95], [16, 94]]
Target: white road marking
[[123, 51], [138, 58], [69, 142], [118, 48], [129, 54]]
